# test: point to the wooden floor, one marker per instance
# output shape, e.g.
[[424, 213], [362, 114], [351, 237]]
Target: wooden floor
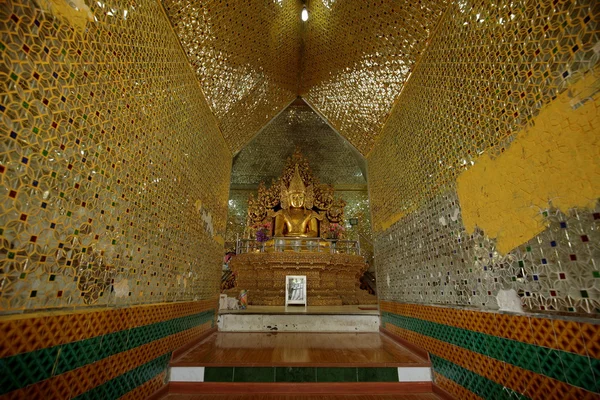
[[299, 349], [415, 396]]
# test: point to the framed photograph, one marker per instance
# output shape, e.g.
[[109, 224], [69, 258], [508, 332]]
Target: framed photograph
[[295, 289]]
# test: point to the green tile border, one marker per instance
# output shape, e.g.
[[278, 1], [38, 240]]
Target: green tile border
[[122, 384], [254, 374], [218, 374], [300, 374], [295, 374], [25, 369], [542, 360], [337, 374], [480, 385], [378, 374]]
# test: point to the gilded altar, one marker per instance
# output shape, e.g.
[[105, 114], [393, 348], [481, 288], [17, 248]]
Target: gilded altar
[[296, 227], [332, 278]]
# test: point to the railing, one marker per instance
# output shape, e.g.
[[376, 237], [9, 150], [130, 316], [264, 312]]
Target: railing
[[367, 282], [312, 245], [366, 249]]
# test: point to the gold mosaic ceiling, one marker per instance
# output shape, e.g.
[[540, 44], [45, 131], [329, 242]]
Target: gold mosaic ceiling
[[358, 56], [349, 60], [331, 158], [246, 56]]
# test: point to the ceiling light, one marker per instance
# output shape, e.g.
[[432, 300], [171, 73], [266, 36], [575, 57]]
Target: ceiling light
[[304, 14]]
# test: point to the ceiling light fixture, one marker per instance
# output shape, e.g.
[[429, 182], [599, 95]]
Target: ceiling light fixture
[[304, 14]]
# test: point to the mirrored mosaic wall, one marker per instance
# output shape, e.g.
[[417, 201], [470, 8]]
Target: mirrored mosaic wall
[[236, 215], [246, 55], [357, 207], [428, 257], [460, 102], [357, 57], [485, 75], [331, 158], [114, 174]]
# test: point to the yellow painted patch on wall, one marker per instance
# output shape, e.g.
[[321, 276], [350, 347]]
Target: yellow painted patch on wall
[[75, 11], [391, 220], [555, 162]]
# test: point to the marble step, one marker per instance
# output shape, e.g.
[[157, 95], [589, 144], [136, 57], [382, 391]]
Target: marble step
[[239, 322], [285, 374]]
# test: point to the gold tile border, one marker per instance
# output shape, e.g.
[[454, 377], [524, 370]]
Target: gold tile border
[[83, 379], [25, 333], [510, 376], [571, 336], [454, 388], [146, 389]]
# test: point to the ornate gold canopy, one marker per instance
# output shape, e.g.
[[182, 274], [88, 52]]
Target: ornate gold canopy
[[269, 200]]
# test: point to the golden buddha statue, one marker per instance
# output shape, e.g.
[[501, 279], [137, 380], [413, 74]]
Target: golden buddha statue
[[296, 217], [297, 206]]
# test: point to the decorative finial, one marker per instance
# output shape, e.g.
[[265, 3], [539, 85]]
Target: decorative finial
[[296, 184]]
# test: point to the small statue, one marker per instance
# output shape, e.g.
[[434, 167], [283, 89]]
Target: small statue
[[296, 217], [243, 299], [296, 290]]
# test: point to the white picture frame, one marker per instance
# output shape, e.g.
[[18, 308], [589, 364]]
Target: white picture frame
[[295, 289]]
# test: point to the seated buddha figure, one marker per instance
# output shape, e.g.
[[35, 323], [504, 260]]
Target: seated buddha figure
[[296, 217]]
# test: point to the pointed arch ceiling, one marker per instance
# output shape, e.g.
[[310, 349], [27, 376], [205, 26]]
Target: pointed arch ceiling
[[357, 56], [246, 55], [331, 159], [349, 61]]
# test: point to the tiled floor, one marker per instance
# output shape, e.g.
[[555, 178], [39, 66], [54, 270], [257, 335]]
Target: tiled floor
[[299, 349]]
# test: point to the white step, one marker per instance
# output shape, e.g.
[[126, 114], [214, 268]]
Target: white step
[[238, 322], [196, 374]]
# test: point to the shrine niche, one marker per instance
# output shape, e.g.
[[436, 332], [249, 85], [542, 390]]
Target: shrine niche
[[296, 205], [296, 227]]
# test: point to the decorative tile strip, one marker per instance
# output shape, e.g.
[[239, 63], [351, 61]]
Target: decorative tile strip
[[126, 382], [146, 389], [83, 379], [26, 333], [27, 368], [494, 357], [577, 337], [530, 384], [553, 363], [49, 372], [473, 382], [454, 388]]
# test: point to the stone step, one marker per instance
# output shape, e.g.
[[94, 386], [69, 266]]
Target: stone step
[[237, 322], [296, 374], [294, 362]]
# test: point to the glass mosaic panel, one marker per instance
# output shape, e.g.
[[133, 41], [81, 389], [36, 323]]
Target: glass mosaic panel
[[246, 55], [428, 258], [485, 75], [331, 158], [357, 57], [236, 216], [114, 174], [487, 71]]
